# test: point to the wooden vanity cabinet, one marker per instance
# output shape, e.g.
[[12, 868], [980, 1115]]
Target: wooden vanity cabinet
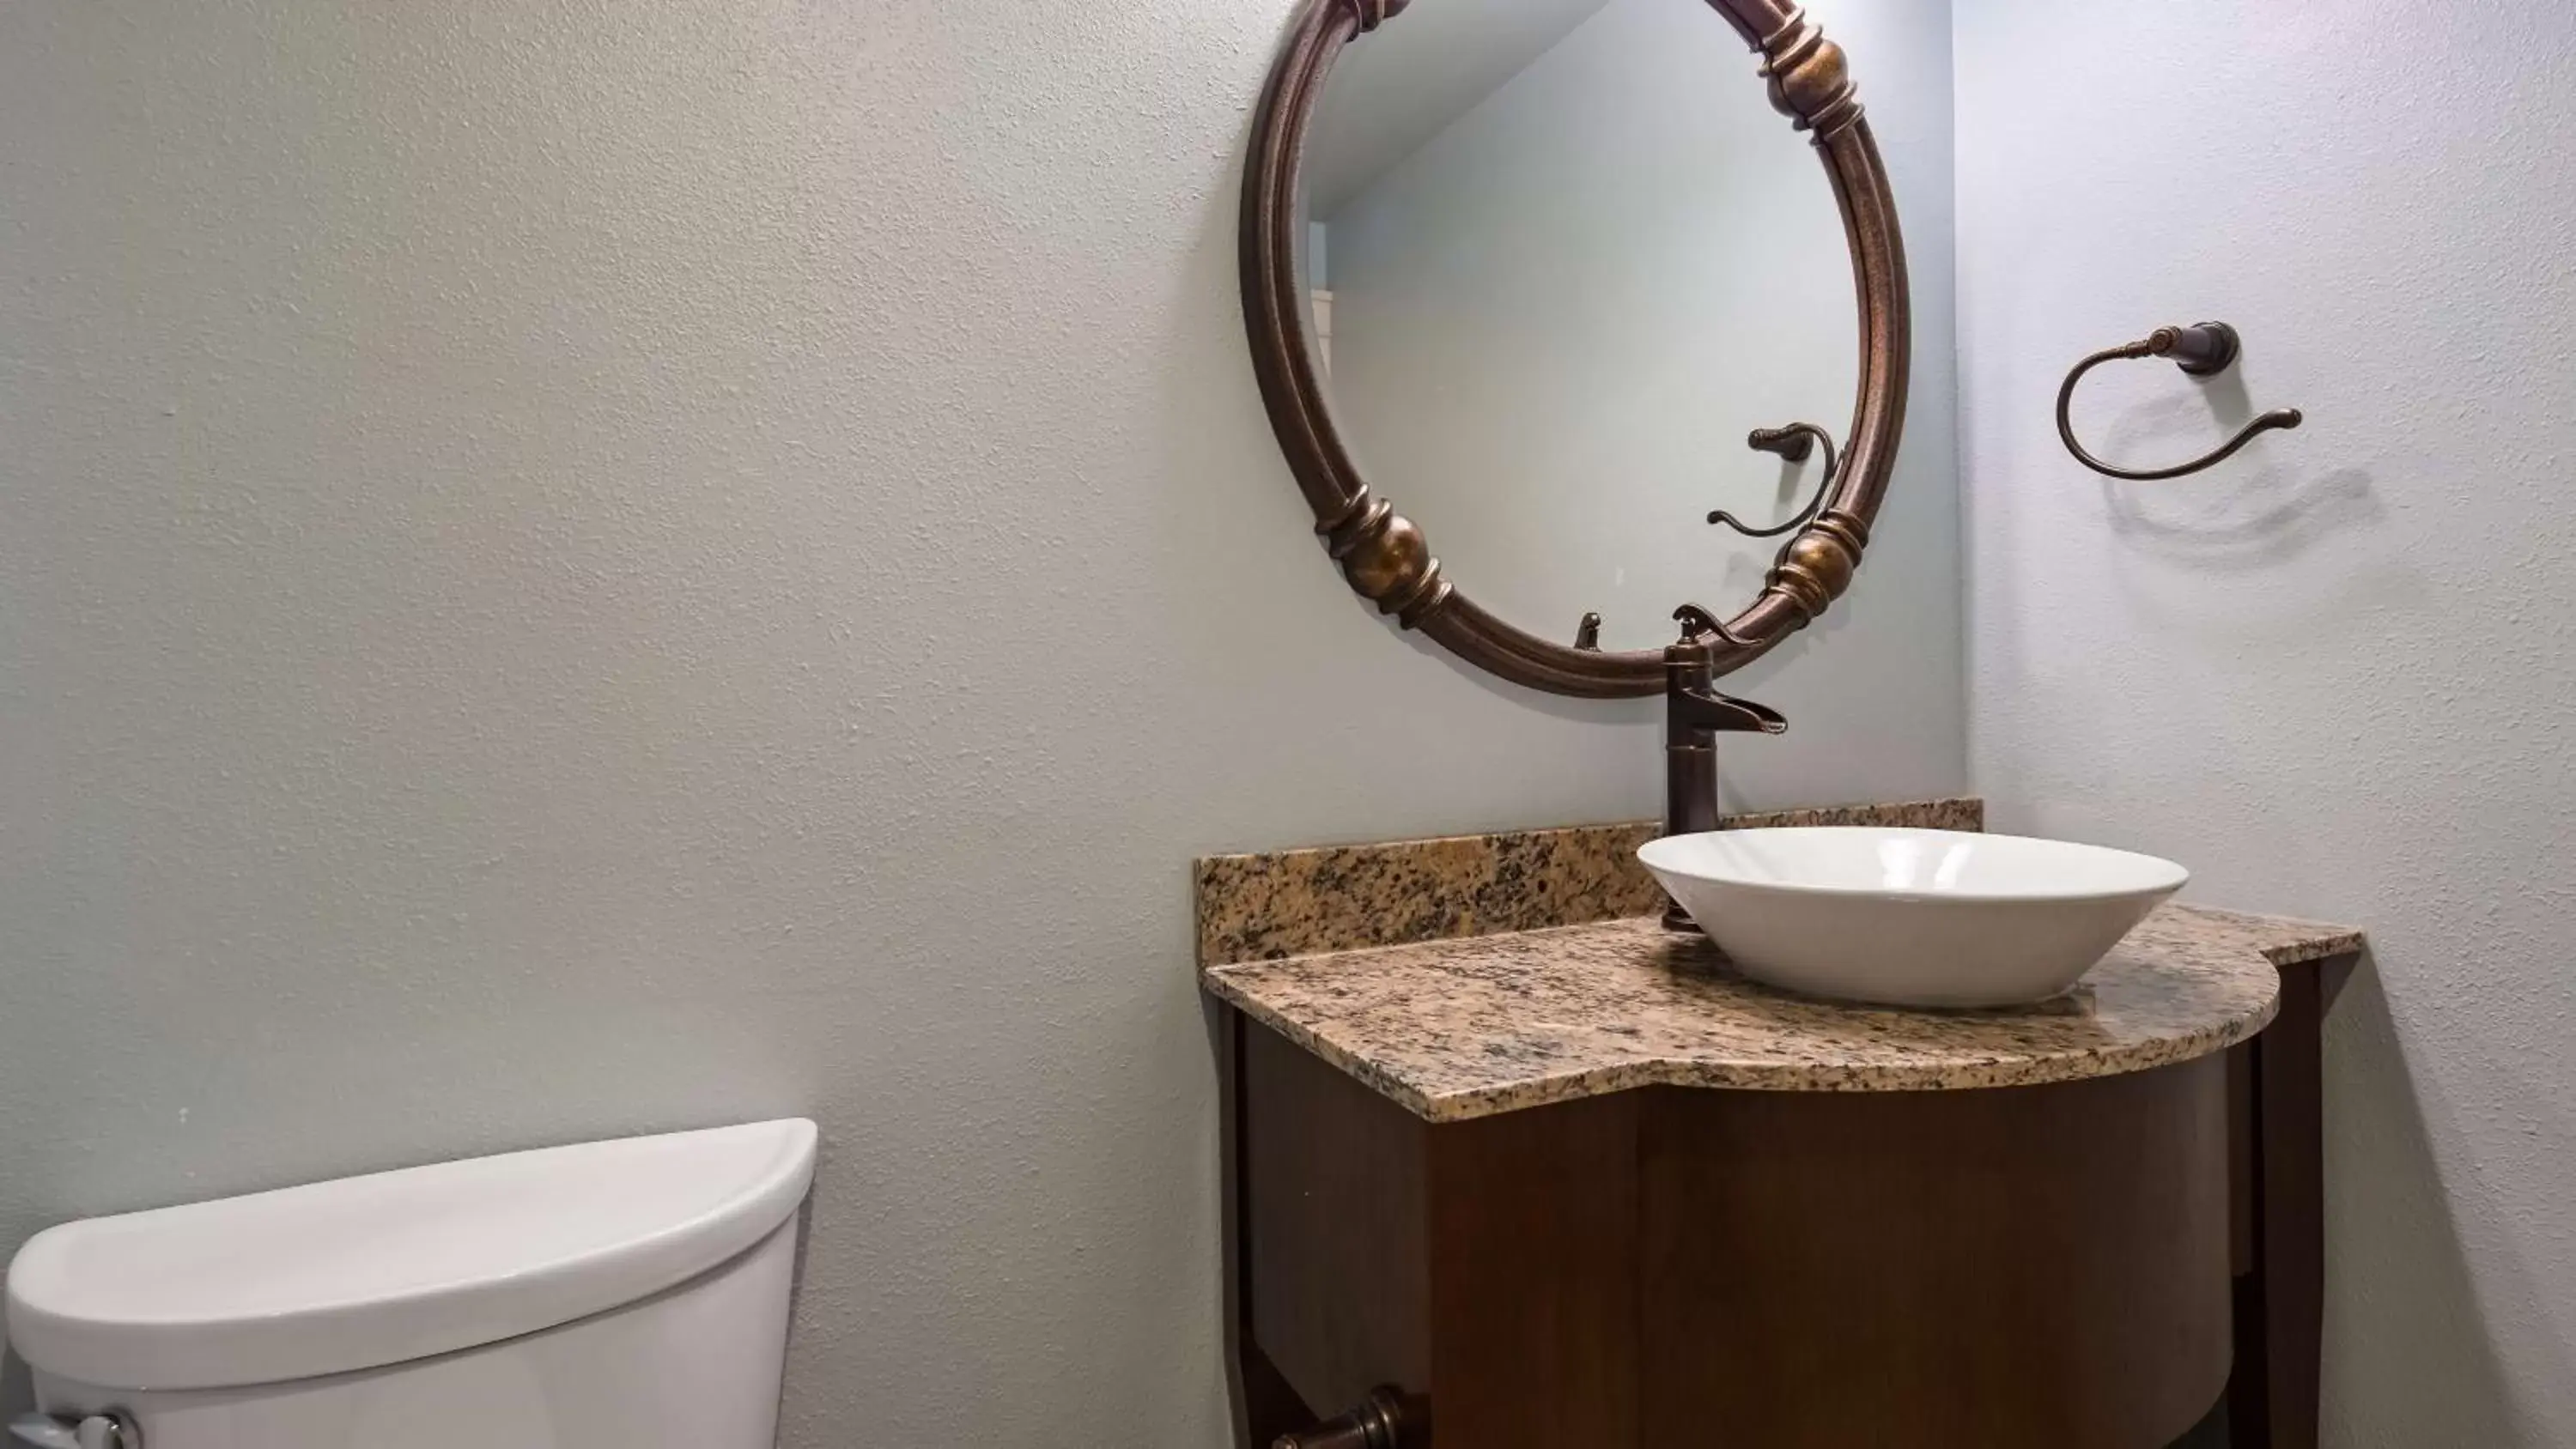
[[2042, 1267], [2078, 1265], [2277, 1171]]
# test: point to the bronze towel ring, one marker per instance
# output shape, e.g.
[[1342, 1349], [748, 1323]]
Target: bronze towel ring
[[2204, 350], [1795, 443]]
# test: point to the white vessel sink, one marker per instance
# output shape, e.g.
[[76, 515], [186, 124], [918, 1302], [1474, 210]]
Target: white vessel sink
[[1910, 917]]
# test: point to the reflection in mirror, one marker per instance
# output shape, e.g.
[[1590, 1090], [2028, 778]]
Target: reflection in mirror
[[1564, 260]]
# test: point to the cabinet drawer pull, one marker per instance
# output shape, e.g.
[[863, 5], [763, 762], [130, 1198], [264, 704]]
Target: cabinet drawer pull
[[1388, 1419]]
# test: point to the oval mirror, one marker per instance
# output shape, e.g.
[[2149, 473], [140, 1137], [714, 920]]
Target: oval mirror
[[1553, 279]]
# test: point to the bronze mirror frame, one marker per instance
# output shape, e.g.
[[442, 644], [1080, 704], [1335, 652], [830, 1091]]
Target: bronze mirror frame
[[1385, 556]]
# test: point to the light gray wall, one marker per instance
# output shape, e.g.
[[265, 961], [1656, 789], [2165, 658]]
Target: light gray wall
[[572, 570], [1555, 323], [2335, 675], [1400, 85]]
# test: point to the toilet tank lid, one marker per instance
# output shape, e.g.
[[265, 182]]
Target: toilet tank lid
[[376, 1270]]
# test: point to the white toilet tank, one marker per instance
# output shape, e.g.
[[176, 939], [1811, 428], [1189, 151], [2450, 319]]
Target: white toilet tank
[[616, 1295]]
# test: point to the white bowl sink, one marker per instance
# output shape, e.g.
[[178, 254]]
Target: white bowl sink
[[1910, 917]]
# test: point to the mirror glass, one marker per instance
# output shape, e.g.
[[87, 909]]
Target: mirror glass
[[1563, 257]]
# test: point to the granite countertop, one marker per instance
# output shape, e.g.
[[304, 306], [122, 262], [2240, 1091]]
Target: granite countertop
[[1478, 975], [1458, 1029]]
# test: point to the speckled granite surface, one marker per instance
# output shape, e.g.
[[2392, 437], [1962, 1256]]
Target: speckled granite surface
[[1457, 1029], [1299, 902]]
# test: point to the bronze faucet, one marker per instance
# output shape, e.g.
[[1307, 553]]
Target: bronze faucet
[[1695, 714]]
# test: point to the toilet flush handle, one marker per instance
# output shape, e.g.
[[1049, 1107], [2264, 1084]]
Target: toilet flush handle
[[111, 1430]]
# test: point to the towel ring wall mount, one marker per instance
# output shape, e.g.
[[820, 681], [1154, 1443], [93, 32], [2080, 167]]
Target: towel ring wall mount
[[2202, 350]]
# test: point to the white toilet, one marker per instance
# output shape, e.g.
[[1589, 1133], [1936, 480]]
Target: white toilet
[[615, 1295]]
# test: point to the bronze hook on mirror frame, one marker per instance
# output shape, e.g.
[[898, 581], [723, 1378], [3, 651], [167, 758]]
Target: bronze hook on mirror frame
[[2203, 350], [1794, 443]]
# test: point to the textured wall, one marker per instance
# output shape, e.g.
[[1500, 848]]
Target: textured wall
[[2333, 676], [567, 569]]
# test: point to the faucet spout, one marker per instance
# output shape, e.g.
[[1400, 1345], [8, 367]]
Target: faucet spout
[[1710, 712]]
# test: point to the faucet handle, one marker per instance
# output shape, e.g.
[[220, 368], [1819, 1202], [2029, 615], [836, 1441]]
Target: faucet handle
[[1698, 623]]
